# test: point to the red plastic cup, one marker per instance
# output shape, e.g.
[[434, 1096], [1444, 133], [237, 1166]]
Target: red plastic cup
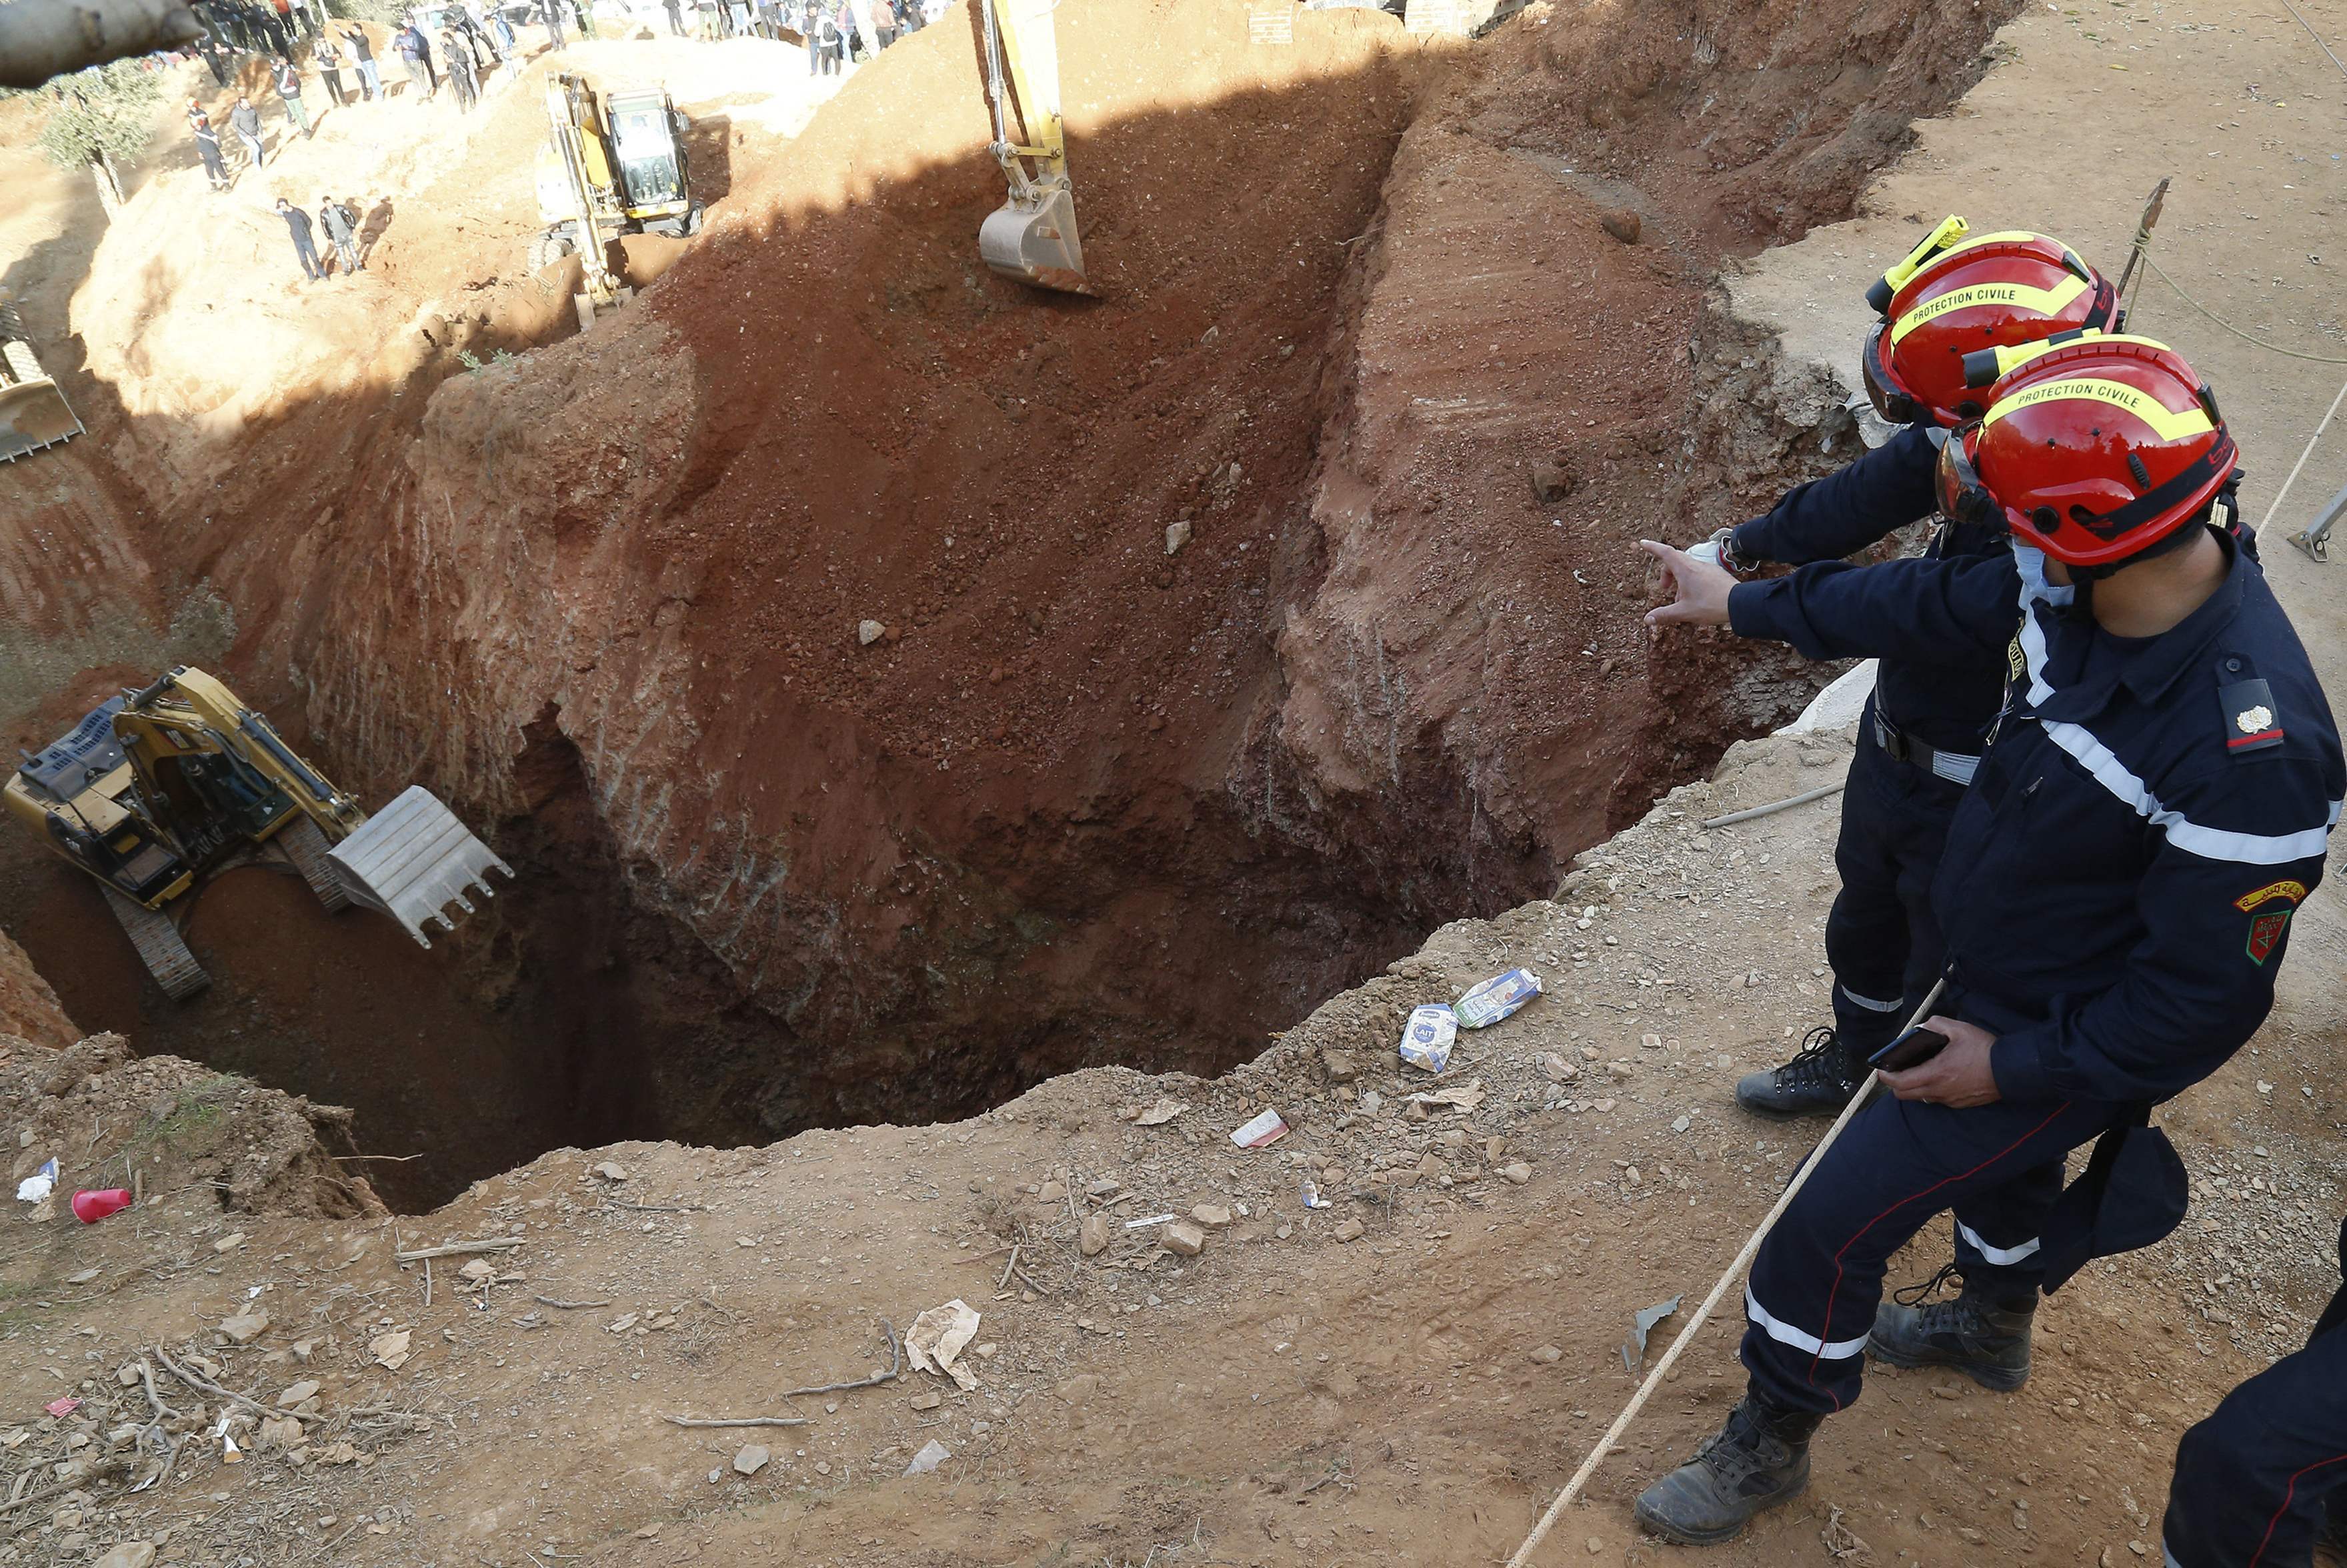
[[91, 1208]]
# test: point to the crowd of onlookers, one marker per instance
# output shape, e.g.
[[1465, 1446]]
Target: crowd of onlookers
[[455, 44]]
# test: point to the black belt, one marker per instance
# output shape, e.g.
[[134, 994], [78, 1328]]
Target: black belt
[[1956, 767]]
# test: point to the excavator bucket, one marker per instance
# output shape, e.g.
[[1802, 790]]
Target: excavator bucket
[[413, 859], [1033, 240], [33, 412]]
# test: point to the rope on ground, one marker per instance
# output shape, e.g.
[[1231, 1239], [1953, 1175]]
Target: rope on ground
[[2308, 451], [2316, 36], [1702, 1314], [1774, 806], [2275, 347]]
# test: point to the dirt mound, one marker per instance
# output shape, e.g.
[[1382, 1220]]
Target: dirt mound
[[28, 1008], [164, 1126]]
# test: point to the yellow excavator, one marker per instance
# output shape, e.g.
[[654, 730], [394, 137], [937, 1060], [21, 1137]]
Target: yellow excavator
[[611, 165], [156, 791], [33, 412], [1032, 236]]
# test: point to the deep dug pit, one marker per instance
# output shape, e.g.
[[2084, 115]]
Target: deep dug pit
[[1088, 800]]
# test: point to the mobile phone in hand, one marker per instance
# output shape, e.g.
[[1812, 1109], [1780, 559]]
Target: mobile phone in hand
[[1912, 1049]]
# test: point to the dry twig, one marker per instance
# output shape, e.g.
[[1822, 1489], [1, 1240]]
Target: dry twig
[[205, 1385], [570, 1306], [458, 1249], [895, 1365], [735, 1421]]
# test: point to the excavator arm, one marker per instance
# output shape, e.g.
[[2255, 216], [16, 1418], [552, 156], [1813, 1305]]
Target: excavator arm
[[1032, 236]]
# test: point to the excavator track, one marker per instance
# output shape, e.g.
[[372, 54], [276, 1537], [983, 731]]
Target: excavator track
[[161, 947], [305, 845]]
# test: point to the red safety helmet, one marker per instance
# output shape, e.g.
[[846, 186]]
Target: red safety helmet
[[2093, 451], [1956, 295]]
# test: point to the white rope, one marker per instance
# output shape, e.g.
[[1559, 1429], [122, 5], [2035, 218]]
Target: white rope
[[2271, 347], [2302, 457], [1702, 1314]]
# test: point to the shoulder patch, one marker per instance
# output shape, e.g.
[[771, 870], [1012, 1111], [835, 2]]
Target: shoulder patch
[[2265, 936], [2015, 664], [2292, 890], [2251, 723]]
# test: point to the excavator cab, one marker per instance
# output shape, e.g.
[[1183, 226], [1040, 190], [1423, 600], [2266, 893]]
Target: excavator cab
[[155, 791], [1032, 236], [611, 164]]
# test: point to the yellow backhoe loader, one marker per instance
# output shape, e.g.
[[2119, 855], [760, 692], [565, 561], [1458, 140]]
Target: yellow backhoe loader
[[1032, 236], [611, 165], [156, 791], [33, 412]]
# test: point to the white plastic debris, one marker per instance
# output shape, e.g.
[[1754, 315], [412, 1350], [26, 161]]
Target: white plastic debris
[[1633, 1348], [39, 1185], [933, 1454], [1426, 1039], [1496, 997], [1266, 1128]]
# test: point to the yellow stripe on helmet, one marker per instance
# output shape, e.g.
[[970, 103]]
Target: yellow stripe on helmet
[[2011, 357], [2044, 302], [2006, 237], [2168, 423]]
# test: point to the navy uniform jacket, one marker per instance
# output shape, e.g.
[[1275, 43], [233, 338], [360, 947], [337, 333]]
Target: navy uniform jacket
[[2119, 879], [1947, 704]]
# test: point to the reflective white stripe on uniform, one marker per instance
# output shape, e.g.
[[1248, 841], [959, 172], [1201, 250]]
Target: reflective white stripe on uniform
[[1786, 1334], [2168, 1558], [2000, 1256], [1870, 1004], [2207, 842]]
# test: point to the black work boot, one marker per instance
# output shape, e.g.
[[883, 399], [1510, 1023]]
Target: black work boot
[[1987, 1341], [1759, 1460], [1818, 1083]]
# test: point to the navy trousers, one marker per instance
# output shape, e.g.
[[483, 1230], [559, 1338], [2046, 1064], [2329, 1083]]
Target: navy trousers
[[1882, 939], [1819, 1276], [2253, 1480]]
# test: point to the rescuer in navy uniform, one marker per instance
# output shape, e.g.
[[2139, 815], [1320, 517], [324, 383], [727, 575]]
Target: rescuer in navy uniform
[[1919, 741], [2254, 1481], [2116, 896]]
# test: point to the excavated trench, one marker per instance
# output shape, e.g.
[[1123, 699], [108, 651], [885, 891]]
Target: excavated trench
[[1088, 799]]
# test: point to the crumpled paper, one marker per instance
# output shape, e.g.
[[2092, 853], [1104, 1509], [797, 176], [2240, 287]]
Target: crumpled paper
[[938, 1336]]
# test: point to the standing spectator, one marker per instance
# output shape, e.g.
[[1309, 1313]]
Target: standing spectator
[[464, 72], [305, 246], [245, 120], [207, 146], [502, 26], [342, 226], [811, 34], [362, 56], [485, 54], [909, 17], [675, 9], [329, 62], [289, 88], [417, 56], [884, 24], [834, 39], [585, 11], [550, 13]]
